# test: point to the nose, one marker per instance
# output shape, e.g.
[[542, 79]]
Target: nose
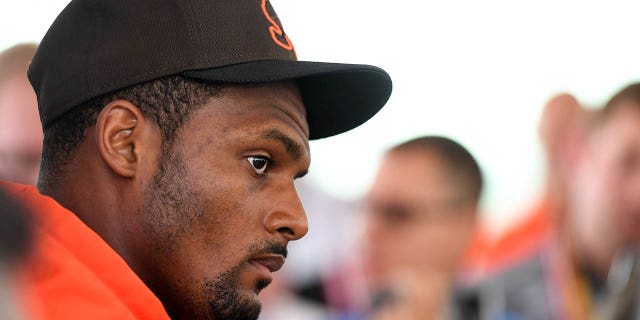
[[287, 216]]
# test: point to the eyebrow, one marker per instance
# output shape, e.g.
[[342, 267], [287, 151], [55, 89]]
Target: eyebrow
[[293, 148]]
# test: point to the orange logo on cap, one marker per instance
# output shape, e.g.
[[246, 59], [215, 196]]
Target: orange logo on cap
[[276, 30]]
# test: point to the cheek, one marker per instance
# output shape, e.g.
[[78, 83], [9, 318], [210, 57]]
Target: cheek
[[209, 220], [222, 226], [436, 246], [629, 188], [223, 193], [628, 207], [602, 183], [381, 250], [413, 247], [620, 190]]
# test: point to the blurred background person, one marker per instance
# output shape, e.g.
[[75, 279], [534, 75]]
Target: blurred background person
[[606, 222], [587, 268], [20, 131], [421, 213], [562, 130]]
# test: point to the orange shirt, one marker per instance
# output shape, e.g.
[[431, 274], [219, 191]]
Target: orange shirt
[[486, 256], [523, 239], [72, 273]]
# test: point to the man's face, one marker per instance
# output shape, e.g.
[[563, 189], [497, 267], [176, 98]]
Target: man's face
[[20, 131], [414, 224], [218, 215], [614, 171]]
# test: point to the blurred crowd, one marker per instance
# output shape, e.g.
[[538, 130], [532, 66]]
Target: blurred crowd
[[416, 245], [425, 254]]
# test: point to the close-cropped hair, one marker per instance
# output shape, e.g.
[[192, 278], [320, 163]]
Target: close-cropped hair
[[458, 161], [628, 97], [168, 101], [630, 94]]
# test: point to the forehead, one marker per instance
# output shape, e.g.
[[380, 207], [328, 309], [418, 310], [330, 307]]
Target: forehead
[[411, 175], [251, 109], [278, 98]]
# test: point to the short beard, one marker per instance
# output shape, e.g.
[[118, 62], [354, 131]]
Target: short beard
[[228, 303], [168, 192], [222, 294]]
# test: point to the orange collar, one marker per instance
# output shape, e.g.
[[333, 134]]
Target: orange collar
[[73, 273]]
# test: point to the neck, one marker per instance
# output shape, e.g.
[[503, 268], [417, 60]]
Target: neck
[[93, 200], [436, 302]]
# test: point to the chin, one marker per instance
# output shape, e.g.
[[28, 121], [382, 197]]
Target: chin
[[229, 297], [246, 307]]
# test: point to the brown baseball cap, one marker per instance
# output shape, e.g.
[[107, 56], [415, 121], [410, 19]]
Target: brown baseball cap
[[98, 46]]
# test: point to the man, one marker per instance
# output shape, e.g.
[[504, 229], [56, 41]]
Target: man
[[174, 130], [589, 267], [20, 131], [563, 130], [605, 224], [421, 215]]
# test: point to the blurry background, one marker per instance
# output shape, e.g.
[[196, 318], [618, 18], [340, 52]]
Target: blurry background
[[478, 72]]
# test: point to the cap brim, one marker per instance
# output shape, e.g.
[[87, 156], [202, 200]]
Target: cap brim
[[338, 97]]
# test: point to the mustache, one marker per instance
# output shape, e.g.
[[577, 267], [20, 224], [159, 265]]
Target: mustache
[[267, 247]]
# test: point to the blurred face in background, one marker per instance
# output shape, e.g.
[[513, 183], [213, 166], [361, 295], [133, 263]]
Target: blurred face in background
[[611, 201], [416, 224], [20, 131]]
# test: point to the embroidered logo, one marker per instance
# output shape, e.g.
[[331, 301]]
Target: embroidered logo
[[276, 30]]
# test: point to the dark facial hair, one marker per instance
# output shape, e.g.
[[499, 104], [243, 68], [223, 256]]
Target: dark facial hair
[[226, 303], [222, 294]]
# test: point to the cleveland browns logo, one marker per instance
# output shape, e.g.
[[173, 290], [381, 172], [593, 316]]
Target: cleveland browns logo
[[276, 30]]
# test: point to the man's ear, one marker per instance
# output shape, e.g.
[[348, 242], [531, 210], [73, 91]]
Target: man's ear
[[120, 128]]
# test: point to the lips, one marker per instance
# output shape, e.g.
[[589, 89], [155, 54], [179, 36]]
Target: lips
[[272, 262]]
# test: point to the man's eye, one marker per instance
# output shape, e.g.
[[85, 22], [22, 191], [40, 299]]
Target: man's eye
[[259, 163]]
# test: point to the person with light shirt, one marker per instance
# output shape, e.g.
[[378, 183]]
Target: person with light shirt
[[421, 214]]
